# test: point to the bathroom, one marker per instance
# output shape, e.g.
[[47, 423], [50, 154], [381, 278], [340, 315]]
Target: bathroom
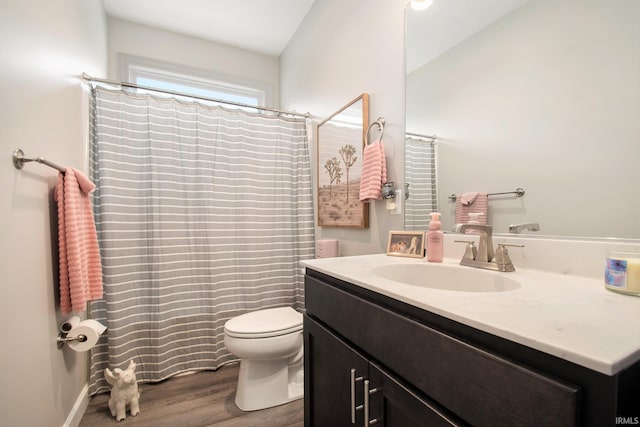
[[47, 45]]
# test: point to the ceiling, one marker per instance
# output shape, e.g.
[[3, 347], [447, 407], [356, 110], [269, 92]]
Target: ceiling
[[445, 24], [257, 25], [266, 26]]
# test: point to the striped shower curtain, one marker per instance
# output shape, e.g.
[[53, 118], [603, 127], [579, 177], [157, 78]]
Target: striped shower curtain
[[420, 174], [203, 213]]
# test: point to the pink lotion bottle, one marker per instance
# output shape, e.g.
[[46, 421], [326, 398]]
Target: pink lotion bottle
[[435, 239]]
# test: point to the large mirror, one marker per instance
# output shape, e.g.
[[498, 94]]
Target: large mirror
[[541, 95]]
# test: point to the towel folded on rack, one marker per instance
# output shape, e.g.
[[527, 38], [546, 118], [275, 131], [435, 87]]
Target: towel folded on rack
[[374, 172], [80, 266], [476, 203], [467, 198]]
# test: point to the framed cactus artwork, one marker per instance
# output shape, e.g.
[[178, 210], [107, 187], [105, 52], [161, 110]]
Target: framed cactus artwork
[[340, 144]]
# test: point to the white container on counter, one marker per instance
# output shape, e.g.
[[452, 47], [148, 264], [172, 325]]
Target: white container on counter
[[622, 272]]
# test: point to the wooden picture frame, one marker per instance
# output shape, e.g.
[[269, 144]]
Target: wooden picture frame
[[406, 243], [340, 145]]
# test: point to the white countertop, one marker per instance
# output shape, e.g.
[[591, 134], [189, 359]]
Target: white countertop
[[570, 317]]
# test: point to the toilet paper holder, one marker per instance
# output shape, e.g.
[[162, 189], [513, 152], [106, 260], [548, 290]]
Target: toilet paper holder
[[63, 338], [76, 332]]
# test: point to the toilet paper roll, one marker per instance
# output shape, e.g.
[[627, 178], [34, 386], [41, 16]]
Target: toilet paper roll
[[69, 324], [91, 329]]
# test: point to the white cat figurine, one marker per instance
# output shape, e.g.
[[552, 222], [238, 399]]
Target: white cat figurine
[[124, 391]]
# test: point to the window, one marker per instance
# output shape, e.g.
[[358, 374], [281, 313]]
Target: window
[[182, 79]]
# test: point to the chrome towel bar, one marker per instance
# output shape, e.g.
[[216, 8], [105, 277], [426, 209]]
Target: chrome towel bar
[[19, 160], [519, 192]]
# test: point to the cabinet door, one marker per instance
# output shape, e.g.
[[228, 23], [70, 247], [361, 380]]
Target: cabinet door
[[328, 362], [392, 404]]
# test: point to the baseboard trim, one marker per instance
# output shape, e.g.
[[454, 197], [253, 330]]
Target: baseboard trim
[[79, 408]]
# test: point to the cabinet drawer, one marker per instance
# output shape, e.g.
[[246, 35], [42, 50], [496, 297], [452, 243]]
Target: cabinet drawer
[[480, 387]]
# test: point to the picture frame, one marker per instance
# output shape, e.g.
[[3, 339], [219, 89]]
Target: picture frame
[[340, 147], [406, 244]]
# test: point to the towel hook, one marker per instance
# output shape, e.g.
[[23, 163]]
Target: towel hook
[[380, 122]]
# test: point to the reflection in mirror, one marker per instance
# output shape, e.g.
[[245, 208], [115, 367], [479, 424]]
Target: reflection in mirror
[[340, 142], [419, 181], [542, 95]]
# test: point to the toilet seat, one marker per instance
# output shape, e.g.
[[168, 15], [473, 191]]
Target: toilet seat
[[266, 323]]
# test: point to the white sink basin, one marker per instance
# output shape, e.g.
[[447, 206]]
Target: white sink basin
[[448, 278]]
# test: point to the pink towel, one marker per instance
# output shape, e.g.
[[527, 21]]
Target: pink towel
[[478, 204], [374, 172], [80, 267], [467, 198]]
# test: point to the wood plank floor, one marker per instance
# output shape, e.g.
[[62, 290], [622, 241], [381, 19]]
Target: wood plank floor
[[198, 400]]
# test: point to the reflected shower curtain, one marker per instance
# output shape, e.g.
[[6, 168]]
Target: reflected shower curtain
[[203, 213], [420, 174]]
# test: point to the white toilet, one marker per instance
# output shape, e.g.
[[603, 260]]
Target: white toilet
[[269, 346]]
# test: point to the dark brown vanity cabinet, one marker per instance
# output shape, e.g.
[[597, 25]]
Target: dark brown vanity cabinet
[[343, 388], [367, 354]]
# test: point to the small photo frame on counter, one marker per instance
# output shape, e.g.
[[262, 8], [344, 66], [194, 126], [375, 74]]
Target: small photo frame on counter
[[406, 243]]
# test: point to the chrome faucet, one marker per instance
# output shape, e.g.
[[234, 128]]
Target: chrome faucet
[[518, 228], [483, 256]]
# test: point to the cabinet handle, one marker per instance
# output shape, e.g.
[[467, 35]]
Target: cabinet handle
[[368, 392], [354, 379]]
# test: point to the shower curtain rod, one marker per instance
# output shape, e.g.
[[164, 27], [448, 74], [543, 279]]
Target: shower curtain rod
[[89, 78], [431, 138]]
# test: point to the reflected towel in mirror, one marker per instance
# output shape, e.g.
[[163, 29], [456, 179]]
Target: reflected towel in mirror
[[479, 204]]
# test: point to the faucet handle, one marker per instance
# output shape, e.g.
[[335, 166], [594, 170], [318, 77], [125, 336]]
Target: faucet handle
[[471, 251], [502, 254]]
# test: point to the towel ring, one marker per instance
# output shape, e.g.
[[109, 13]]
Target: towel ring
[[380, 122]]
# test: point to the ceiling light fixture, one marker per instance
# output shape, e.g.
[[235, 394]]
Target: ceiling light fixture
[[420, 4]]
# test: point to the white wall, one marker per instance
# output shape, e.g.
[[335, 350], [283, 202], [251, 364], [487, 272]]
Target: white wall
[[45, 46], [342, 49], [235, 64], [547, 99]]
